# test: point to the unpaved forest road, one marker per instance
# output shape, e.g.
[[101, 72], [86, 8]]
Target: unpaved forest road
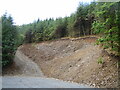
[[68, 59], [74, 59], [37, 82], [26, 78], [26, 65]]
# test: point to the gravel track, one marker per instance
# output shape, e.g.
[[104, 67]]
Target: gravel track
[[37, 82], [72, 60], [30, 76], [26, 65]]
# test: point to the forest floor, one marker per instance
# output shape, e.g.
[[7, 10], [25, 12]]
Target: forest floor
[[75, 60]]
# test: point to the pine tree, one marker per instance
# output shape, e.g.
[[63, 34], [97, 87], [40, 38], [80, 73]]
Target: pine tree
[[8, 39], [106, 24]]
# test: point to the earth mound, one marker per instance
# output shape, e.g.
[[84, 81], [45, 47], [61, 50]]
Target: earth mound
[[75, 60]]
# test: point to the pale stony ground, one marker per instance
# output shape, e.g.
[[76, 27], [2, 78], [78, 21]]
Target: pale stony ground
[[27, 66], [71, 60], [30, 76], [37, 82], [74, 60]]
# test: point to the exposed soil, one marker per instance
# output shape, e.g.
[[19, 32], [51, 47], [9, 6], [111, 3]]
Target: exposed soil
[[70, 60], [74, 60], [11, 70], [22, 66]]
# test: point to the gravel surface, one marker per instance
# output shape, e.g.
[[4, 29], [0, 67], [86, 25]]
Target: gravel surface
[[37, 82], [76, 60], [26, 65], [29, 75], [73, 60]]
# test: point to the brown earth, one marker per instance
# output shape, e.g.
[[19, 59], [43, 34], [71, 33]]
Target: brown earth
[[75, 60], [22, 66]]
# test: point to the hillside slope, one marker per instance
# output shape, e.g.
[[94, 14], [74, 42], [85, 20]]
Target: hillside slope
[[74, 60]]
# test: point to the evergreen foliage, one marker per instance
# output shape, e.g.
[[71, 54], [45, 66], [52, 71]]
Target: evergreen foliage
[[78, 24], [98, 18], [9, 33], [95, 18], [107, 25]]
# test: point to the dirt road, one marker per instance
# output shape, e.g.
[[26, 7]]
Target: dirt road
[[37, 82], [26, 66], [30, 76], [74, 59]]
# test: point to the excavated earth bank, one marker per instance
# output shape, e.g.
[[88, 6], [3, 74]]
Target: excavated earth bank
[[74, 60]]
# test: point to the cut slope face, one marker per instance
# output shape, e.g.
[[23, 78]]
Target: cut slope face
[[74, 60]]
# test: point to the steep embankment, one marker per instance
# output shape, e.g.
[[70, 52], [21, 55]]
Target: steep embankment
[[74, 60]]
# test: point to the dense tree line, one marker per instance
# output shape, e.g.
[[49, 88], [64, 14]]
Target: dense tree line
[[107, 25], [78, 24], [98, 18], [95, 18]]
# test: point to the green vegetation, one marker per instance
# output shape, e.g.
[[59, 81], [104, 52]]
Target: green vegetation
[[100, 60], [107, 25], [9, 33], [78, 24], [98, 18]]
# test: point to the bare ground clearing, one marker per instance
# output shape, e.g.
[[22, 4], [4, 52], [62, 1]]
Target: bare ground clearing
[[74, 60]]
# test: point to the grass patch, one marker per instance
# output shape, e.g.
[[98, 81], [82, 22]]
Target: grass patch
[[100, 60]]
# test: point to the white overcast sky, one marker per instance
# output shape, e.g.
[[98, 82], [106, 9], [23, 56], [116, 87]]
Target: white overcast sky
[[26, 11]]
